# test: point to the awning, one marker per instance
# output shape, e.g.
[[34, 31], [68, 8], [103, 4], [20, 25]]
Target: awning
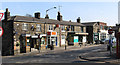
[[27, 35], [34, 36], [82, 33], [42, 35]]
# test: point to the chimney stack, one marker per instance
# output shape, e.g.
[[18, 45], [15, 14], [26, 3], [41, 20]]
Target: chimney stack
[[46, 17], [59, 17], [37, 15], [78, 20], [7, 14]]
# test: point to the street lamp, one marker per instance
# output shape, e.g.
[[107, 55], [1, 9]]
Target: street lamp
[[50, 9]]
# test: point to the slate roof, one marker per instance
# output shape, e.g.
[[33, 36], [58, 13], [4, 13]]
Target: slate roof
[[89, 23], [42, 20]]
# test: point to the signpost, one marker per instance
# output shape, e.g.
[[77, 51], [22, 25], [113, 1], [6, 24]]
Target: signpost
[[110, 31]]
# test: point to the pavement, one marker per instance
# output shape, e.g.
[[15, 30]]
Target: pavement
[[56, 50], [101, 56]]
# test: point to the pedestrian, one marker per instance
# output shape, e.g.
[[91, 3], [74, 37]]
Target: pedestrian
[[46, 46]]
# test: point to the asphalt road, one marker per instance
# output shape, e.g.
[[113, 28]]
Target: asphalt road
[[71, 56]]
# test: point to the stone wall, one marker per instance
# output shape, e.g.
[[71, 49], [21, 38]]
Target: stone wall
[[7, 38]]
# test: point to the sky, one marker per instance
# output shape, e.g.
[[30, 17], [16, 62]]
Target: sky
[[88, 11]]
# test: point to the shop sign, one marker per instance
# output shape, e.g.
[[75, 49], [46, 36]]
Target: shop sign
[[52, 33], [48, 33]]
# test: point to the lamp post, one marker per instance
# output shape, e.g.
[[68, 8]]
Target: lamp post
[[50, 9], [66, 38]]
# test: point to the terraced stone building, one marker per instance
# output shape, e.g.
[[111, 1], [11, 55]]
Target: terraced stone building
[[24, 34]]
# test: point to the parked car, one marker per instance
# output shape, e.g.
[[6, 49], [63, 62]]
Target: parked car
[[104, 41], [97, 42]]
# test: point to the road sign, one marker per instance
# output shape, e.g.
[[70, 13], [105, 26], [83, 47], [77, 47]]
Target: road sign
[[1, 15], [110, 31], [1, 31]]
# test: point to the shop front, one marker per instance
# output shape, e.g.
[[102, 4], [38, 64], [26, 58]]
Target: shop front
[[35, 41], [77, 38], [25, 43], [51, 39], [95, 37]]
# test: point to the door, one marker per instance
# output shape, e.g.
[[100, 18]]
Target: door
[[63, 40], [22, 45], [27, 44]]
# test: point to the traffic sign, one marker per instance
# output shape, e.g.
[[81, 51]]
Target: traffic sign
[[1, 15], [1, 31], [110, 31]]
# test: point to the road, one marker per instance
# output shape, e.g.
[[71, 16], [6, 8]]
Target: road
[[68, 56]]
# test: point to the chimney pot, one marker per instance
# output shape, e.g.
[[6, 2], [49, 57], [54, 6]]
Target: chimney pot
[[37, 15], [46, 17], [7, 14], [59, 17], [78, 20]]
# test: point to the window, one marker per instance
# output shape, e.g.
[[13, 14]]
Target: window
[[72, 28], [25, 26], [50, 27], [103, 36], [38, 28], [81, 29], [101, 27], [63, 28]]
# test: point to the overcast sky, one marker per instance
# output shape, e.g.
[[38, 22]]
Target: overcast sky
[[87, 11]]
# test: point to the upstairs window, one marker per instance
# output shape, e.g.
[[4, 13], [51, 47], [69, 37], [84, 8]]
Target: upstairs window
[[38, 28], [101, 27], [50, 27], [24, 26], [81, 29], [72, 28], [63, 28]]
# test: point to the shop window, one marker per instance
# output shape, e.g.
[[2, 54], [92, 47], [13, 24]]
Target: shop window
[[42, 40], [103, 36], [38, 28], [24, 26], [50, 27]]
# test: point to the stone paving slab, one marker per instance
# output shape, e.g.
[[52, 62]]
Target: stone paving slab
[[101, 56]]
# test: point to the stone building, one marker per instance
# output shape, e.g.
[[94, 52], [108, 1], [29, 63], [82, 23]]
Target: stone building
[[92, 29], [96, 30], [24, 34], [103, 30]]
